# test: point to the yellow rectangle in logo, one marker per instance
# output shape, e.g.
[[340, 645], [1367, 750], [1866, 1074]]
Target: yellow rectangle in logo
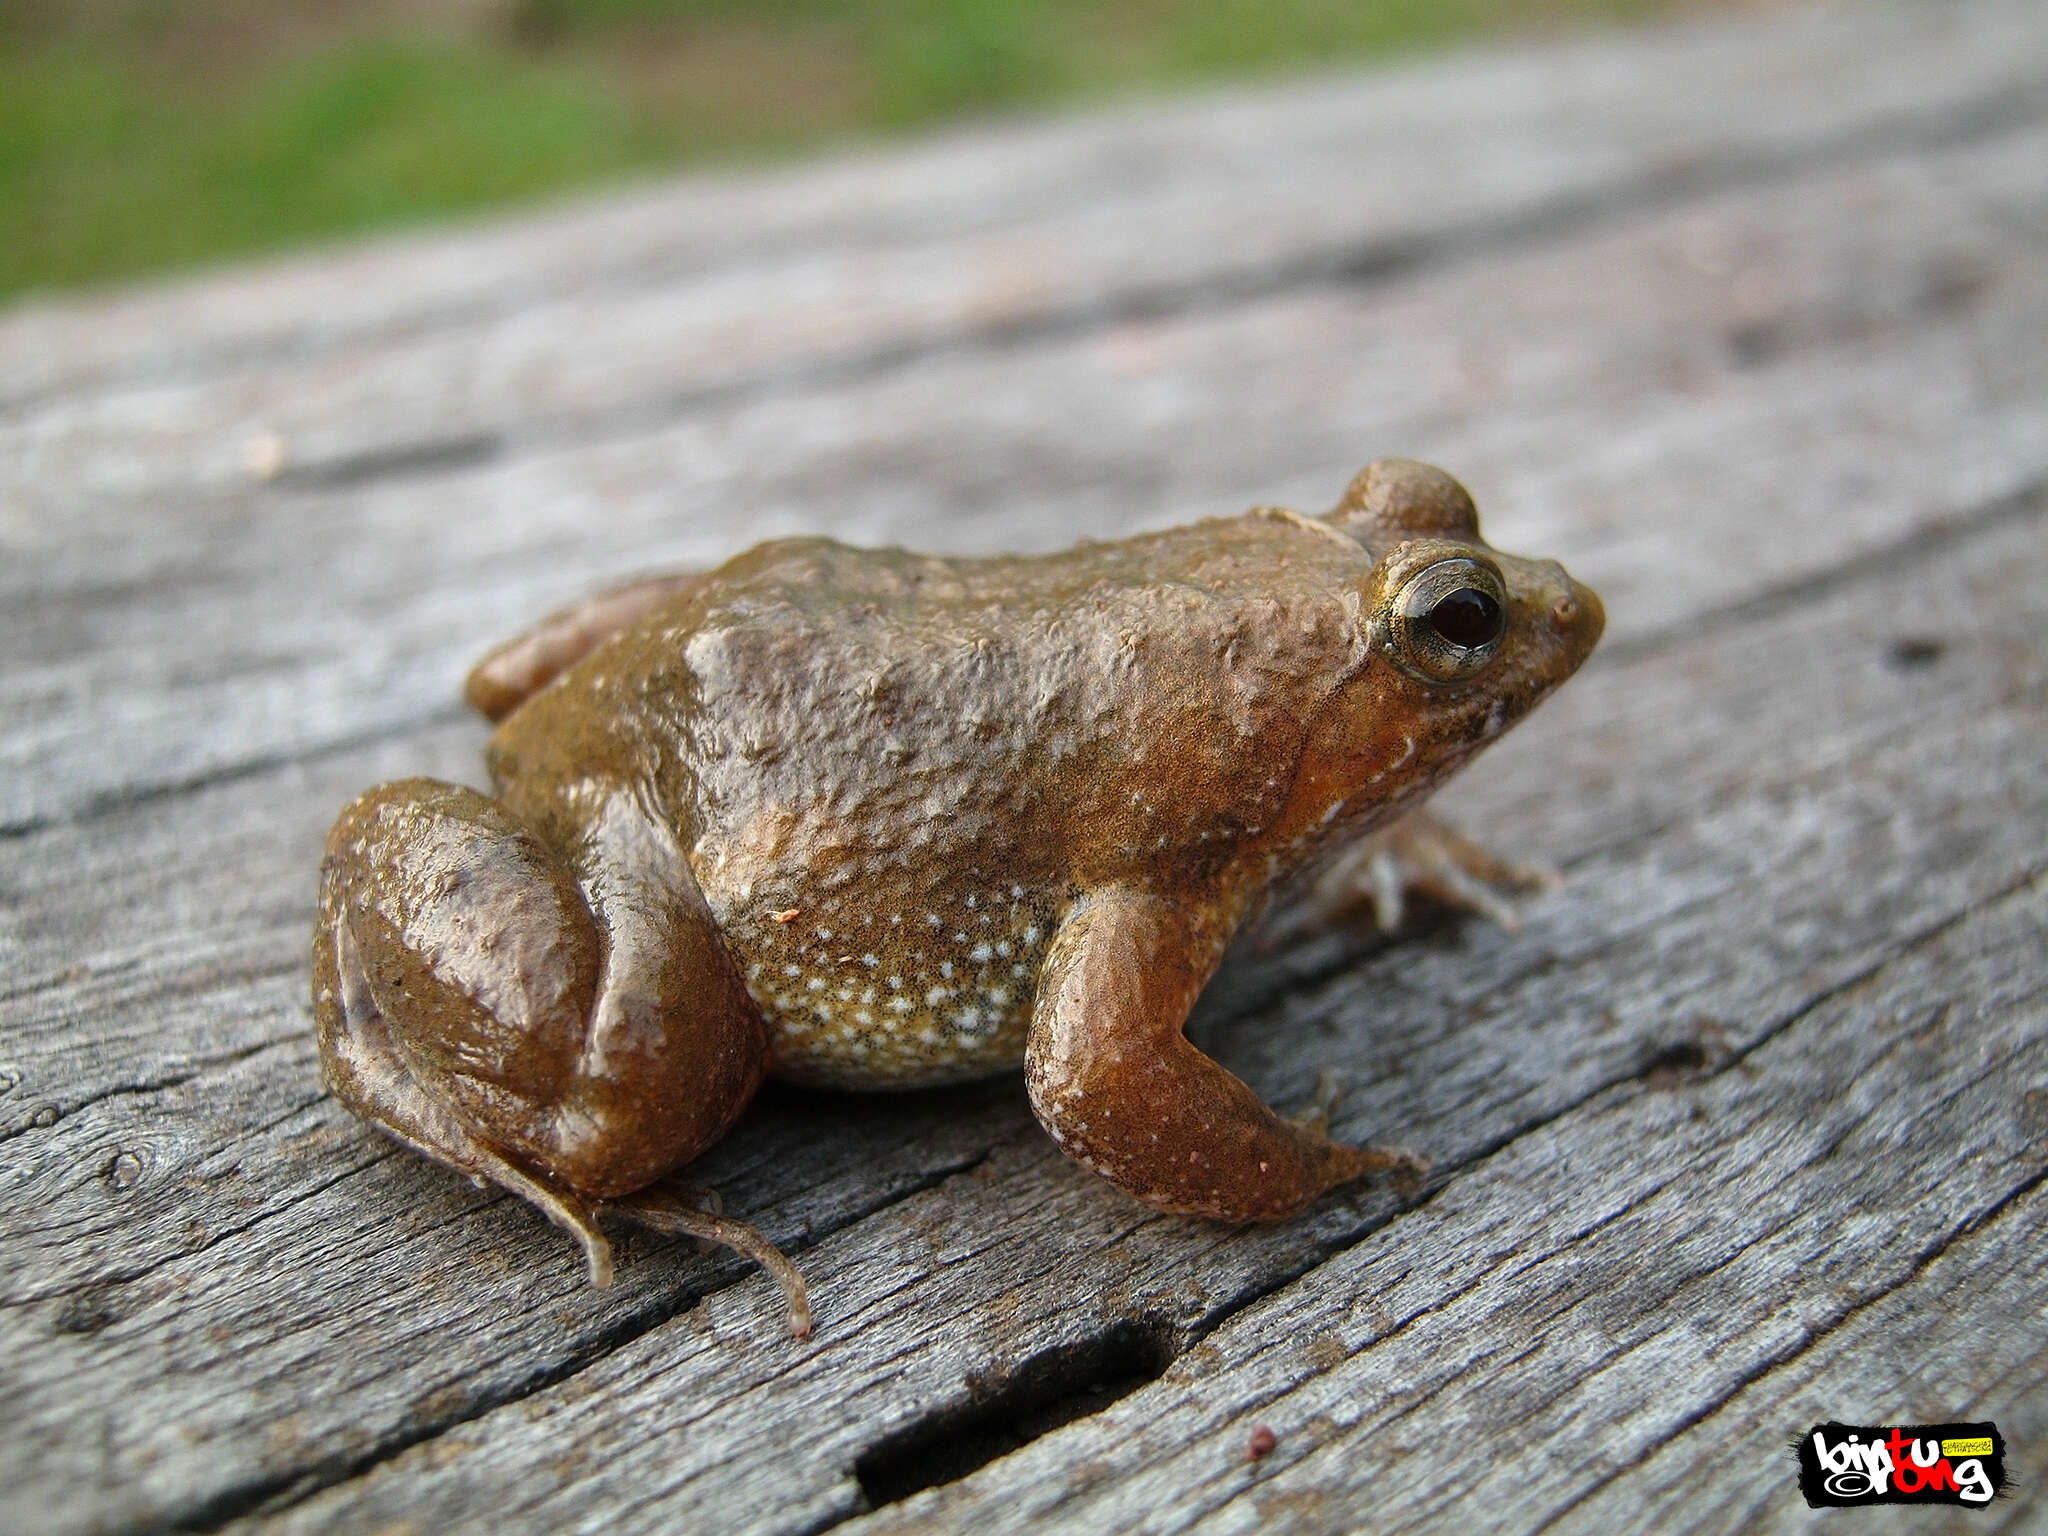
[[1966, 1447]]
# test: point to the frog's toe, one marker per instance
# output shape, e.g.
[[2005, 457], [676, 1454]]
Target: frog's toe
[[700, 1197], [1421, 854], [666, 1210], [1408, 1170], [1417, 854]]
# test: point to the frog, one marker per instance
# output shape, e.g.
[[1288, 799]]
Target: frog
[[865, 819]]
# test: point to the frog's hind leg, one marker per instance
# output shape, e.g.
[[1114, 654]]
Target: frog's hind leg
[[567, 1028], [370, 1075], [522, 666]]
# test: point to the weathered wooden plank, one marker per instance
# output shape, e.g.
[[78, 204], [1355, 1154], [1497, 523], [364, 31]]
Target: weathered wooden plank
[[363, 1313], [1923, 453], [1963, 1336], [613, 365], [1861, 350], [1007, 227], [219, 1291], [1654, 1224], [1603, 1285]]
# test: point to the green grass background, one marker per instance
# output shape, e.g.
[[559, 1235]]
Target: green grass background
[[140, 135]]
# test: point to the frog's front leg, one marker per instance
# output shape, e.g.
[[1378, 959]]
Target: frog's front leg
[[1417, 853], [1117, 1084], [564, 1024]]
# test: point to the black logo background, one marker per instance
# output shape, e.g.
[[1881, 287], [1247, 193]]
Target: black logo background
[[1813, 1477]]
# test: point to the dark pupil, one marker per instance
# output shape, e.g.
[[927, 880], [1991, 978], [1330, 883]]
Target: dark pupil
[[1466, 617]]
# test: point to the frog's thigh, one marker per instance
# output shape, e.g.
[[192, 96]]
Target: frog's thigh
[[1117, 1084], [569, 1033], [521, 667]]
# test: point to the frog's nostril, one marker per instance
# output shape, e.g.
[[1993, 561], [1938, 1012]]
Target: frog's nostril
[[1565, 610]]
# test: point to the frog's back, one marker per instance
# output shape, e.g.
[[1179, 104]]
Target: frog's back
[[898, 771]]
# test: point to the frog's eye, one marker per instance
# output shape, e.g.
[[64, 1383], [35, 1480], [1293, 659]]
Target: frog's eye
[[1447, 620]]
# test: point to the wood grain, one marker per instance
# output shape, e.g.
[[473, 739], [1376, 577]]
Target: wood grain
[[1854, 352], [1657, 982], [1003, 227], [1748, 323]]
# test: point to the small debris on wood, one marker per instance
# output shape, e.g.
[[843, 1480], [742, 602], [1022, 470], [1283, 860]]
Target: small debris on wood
[[1911, 652]]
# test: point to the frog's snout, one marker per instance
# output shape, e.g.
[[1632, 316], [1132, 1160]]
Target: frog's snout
[[1565, 617], [1577, 614]]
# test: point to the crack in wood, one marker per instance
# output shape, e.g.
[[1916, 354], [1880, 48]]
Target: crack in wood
[[201, 1067], [960, 1440], [1040, 1393]]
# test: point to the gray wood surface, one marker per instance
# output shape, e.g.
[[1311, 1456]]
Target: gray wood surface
[[1747, 322]]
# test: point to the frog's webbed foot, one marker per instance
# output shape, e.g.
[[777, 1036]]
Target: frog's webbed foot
[[1409, 1171], [1418, 853], [1120, 1088], [524, 665], [570, 1040], [665, 1211]]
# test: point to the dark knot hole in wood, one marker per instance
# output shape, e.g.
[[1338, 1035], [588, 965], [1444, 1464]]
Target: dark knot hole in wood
[[1049, 1389]]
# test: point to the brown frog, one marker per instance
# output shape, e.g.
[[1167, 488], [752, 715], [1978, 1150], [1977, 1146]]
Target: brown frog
[[871, 819]]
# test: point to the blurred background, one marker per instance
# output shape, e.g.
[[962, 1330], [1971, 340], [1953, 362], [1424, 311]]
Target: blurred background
[[138, 136]]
